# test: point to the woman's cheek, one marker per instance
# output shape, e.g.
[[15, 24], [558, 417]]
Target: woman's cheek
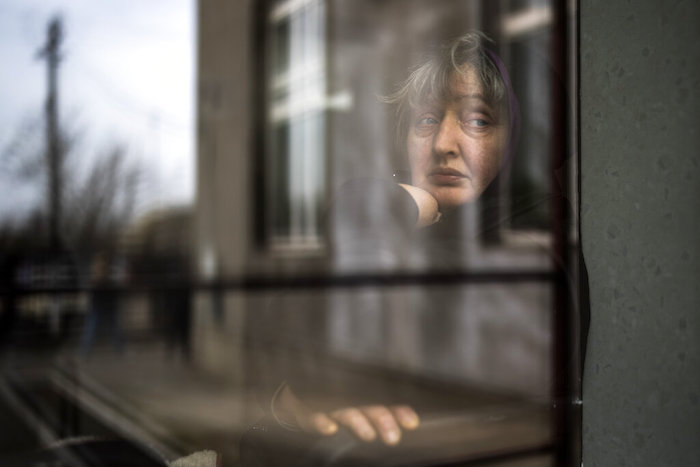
[[490, 165], [418, 159]]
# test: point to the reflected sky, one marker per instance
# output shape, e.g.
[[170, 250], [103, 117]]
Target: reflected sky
[[127, 76]]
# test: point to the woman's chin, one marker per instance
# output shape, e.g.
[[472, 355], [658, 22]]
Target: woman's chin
[[451, 199]]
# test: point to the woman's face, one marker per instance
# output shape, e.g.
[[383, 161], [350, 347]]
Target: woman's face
[[455, 146]]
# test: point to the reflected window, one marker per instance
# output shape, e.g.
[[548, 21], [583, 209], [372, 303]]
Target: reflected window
[[294, 177]]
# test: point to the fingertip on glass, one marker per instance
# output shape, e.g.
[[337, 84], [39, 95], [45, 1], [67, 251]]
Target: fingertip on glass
[[324, 425], [408, 419], [392, 437]]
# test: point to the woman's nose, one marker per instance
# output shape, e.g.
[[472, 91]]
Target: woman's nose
[[445, 140]]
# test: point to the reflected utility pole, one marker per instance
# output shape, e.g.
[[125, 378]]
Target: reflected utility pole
[[51, 53]]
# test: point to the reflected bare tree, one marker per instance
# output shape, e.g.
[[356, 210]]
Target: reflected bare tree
[[99, 206], [98, 193]]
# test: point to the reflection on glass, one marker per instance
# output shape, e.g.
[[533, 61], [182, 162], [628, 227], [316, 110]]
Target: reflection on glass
[[404, 306]]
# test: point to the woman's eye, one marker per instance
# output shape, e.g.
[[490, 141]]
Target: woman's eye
[[477, 122], [426, 125], [427, 121]]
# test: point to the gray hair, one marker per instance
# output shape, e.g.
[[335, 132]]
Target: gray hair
[[431, 78]]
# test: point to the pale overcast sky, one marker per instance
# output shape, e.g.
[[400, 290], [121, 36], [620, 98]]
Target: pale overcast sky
[[127, 75]]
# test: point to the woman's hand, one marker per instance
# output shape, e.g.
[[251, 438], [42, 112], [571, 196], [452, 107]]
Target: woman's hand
[[428, 209], [366, 422]]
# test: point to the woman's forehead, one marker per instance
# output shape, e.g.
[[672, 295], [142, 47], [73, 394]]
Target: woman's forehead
[[463, 82], [461, 86]]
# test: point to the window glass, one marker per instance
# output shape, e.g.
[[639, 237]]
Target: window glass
[[380, 267]]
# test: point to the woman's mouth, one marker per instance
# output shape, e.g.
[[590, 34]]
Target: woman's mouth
[[446, 176]]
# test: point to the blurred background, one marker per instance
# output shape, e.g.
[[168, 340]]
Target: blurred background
[[168, 256]]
